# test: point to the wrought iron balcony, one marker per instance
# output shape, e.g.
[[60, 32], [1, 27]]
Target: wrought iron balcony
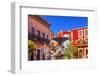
[[38, 38]]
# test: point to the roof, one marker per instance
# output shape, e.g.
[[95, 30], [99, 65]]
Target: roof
[[40, 19], [79, 28], [66, 32]]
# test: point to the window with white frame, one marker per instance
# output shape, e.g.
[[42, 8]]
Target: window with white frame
[[85, 32], [80, 33]]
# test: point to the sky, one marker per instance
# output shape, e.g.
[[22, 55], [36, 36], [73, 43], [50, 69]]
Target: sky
[[65, 23]]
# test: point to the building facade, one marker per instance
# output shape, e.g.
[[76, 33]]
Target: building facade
[[79, 38], [39, 33], [76, 38]]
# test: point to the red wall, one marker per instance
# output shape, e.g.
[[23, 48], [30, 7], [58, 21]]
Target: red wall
[[75, 34]]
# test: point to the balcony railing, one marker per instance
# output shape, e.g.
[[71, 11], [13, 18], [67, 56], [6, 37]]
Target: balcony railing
[[80, 43], [38, 38]]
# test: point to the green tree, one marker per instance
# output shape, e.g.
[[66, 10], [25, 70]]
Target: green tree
[[70, 51], [31, 46], [80, 41]]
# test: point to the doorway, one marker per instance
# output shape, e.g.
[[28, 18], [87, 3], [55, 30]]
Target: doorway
[[38, 54]]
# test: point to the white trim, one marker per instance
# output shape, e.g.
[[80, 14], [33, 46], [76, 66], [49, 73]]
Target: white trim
[[71, 36], [85, 33]]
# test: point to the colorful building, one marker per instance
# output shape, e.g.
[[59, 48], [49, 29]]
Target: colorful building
[[39, 33], [77, 38]]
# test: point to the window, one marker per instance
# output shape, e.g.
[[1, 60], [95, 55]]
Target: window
[[86, 53], [80, 52], [80, 33], [38, 33], [47, 36], [43, 35], [33, 31], [29, 35], [86, 32], [38, 54]]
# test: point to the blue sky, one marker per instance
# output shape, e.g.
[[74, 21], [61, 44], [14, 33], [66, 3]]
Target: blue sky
[[65, 23]]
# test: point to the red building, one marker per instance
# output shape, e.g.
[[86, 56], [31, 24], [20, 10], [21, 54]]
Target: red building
[[80, 33], [39, 33], [79, 38]]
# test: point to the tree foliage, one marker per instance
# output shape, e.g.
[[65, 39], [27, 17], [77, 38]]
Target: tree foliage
[[68, 53], [31, 46]]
